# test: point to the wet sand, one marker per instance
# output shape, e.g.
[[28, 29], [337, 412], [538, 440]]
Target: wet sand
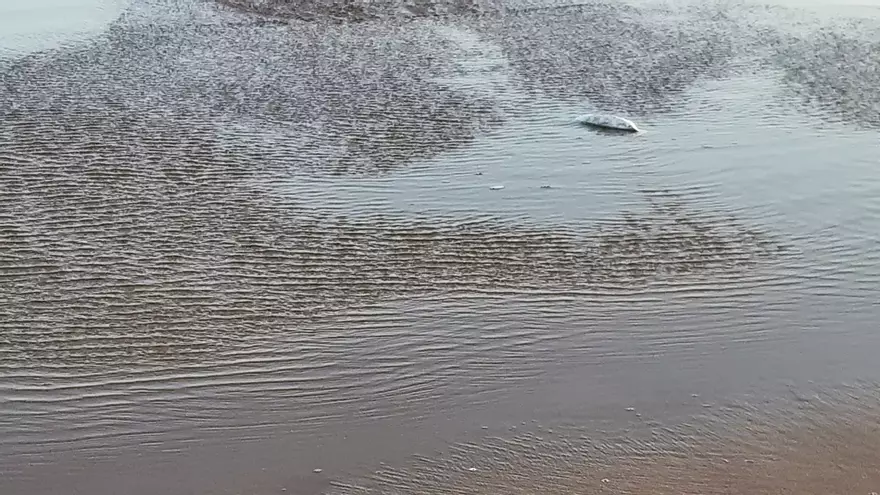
[[827, 445]]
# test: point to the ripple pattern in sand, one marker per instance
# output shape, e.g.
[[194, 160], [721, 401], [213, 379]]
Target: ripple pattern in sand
[[824, 443]]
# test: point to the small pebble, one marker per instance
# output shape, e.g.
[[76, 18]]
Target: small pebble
[[318, 471], [630, 409], [707, 405], [606, 480], [496, 188], [479, 173], [284, 489], [695, 395], [484, 427], [472, 469], [546, 186]]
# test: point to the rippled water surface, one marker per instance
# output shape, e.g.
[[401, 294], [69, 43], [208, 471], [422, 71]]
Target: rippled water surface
[[266, 247]]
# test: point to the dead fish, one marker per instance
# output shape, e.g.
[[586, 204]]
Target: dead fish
[[608, 122]]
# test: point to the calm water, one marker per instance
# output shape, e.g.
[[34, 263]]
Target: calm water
[[234, 251]]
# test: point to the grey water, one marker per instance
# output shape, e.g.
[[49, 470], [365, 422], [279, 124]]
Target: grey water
[[247, 252]]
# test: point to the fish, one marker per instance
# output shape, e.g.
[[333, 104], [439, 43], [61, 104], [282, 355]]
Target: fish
[[608, 122]]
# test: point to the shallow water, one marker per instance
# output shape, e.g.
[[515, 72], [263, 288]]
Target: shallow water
[[49, 24], [235, 251]]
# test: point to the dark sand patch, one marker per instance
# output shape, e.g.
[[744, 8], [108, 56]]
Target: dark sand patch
[[827, 66], [359, 99], [619, 57], [341, 11], [835, 72], [195, 265]]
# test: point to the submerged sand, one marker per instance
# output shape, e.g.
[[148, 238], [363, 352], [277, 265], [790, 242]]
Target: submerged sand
[[823, 445]]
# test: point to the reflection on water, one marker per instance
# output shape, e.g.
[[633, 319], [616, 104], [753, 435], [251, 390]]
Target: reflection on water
[[233, 251], [46, 24]]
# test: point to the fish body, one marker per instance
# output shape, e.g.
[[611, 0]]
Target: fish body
[[608, 122]]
